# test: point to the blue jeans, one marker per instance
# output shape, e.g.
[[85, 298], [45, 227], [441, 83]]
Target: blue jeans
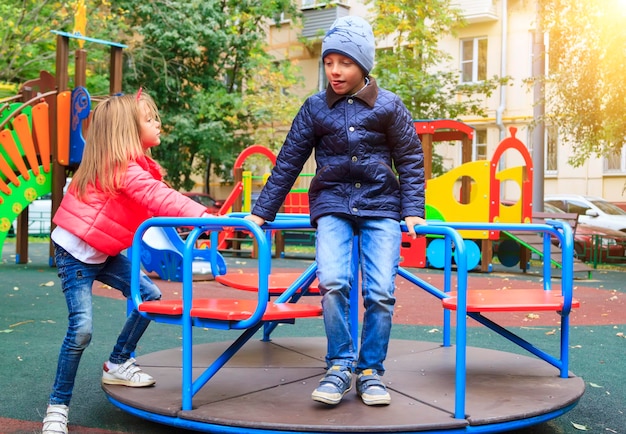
[[77, 279], [379, 252]]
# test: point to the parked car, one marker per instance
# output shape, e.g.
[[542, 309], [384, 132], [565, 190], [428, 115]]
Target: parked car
[[591, 210], [611, 244], [39, 213], [213, 205]]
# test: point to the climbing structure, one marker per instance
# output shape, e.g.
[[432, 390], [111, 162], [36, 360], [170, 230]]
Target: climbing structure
[[41, 133], [25, 154]]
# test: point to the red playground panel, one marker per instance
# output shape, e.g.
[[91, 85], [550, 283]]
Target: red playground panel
[[413, 251], [297, 203]]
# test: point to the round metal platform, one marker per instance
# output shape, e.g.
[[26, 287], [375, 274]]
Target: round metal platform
[[267, 388]]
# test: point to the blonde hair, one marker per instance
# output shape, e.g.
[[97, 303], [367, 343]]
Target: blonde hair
[[113, 140]]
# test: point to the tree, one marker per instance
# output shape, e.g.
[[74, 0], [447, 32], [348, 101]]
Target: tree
[[203, 61], [415, 68], [271, 102], [585, 90], [28, 46], [195, 57], [26, 43]]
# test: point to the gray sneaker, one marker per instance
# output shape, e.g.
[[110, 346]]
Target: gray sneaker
[[336, 383], [371, 389], [127, 374], [55, 421]]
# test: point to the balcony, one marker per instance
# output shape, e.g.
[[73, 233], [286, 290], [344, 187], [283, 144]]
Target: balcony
[[477, 11], [317, 16]]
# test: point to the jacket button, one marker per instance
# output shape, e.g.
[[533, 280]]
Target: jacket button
[[357, 185], [350, 101], [355, 209], [351, 129], [354, 159]]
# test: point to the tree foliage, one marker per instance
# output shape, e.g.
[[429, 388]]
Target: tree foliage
[[28, 46], [203, 62], [270, 99], [415, 68], [196, 58], [218, 91], [585, 89], [26, 43]]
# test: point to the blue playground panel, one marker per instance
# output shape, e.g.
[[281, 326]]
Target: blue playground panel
[[161, 252]]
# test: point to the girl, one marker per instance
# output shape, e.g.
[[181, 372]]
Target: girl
[[115, 189]]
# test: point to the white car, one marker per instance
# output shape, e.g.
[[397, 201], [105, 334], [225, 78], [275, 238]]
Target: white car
[[591, 210]]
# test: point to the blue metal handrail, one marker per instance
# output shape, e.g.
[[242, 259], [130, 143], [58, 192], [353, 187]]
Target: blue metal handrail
[[454, 246], [250, 325]]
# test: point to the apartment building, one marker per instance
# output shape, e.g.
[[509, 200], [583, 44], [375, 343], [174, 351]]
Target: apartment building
[[497, 40]]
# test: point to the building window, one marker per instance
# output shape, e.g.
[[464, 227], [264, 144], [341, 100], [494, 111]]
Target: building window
[[322, 81], [480, 145], [551, 148], [308, 4], [281, 18], [616, 161], [473, 60]]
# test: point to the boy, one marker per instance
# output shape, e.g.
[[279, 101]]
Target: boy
[[360, 132]]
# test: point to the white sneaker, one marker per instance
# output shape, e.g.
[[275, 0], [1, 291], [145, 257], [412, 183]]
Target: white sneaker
[[127, 374], [55, 421]]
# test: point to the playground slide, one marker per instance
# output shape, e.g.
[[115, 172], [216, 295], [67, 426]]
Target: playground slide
[[162, 253]]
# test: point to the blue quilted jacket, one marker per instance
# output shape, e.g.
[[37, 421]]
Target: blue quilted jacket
[[358, 142]]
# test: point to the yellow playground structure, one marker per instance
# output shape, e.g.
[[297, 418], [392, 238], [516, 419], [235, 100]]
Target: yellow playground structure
[[476, 191]]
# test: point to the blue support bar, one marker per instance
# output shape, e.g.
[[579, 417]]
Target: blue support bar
[[249, 325]]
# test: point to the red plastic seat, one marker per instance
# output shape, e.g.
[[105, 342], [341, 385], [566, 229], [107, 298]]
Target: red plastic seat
[[162, 307], [509, 300], [231, 309]]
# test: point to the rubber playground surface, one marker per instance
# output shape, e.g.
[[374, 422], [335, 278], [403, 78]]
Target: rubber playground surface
[[33, 323]]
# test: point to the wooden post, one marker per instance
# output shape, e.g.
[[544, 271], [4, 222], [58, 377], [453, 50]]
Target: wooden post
[[115, 70], [58, 170], [21, 240], [466, 182], [80, 74], [427, 149], [237, 205]]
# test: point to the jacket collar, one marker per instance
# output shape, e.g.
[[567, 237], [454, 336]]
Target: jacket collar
[[151, 166], [367, 95]]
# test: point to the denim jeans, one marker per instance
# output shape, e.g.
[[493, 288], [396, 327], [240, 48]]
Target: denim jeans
[[379, 253], [77, 279]]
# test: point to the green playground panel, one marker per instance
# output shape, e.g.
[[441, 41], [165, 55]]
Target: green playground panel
[[21, 196]]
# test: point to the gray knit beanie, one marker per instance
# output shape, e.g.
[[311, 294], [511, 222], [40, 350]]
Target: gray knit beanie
[[351, 36]]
